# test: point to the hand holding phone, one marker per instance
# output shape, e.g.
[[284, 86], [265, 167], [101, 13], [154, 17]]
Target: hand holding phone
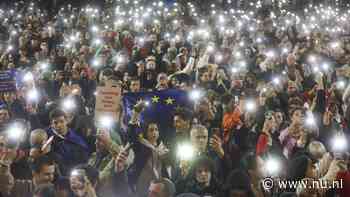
[[47, 144]]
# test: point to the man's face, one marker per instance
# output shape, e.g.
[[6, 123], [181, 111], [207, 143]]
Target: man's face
[[46, 174], [163, 82], [100, 146], [179, 123], [156, 190], [135, 86], [203, 176], [199, 138], [205, 77], [60, 124], [4, 116]]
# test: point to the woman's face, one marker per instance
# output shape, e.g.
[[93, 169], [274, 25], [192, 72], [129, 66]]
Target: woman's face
[[152, 132], [298, 117], [203, 176], [278, 118]]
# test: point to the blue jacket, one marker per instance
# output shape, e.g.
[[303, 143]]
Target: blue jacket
[[70, 151]]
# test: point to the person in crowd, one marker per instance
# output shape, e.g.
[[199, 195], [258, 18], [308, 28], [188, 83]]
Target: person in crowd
[[201, 179], [211, 93], [83, 181], [70, 148], [148, 152], [43, 170], [162, 187]]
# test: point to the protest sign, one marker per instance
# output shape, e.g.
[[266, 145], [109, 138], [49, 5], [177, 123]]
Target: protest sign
[[7, 81], [108, 100]]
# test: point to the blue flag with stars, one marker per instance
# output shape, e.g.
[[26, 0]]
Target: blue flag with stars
[[161, 108]]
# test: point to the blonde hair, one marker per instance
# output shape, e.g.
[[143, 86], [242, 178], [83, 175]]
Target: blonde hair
[[37, 136]]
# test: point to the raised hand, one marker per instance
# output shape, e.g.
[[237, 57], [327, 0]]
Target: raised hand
[[215, 143]]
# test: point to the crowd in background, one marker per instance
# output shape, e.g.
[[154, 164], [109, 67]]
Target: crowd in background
[[269, 91]]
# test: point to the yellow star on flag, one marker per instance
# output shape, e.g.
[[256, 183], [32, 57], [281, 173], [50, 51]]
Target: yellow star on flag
[[155, 99], [169, 101]]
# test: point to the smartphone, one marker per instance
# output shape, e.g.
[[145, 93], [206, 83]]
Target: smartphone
[[47, 143], [236, 100], [216, 131]]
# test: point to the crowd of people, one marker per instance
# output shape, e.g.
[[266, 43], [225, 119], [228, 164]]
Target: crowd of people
[[268, 91]]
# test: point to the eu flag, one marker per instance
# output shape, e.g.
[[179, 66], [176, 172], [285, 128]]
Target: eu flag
[[161, 108]]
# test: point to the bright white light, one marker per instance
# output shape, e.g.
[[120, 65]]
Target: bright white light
[[147, 103], [97, 41], [341, 84], [259, 40], [96, 62], [10, 48], [75, 91], [325, 66], [310, 119], [285, 50], [335, 44], [75, 173], [339, 143], [44, 66], [250, 106], [185, 152], [68, 104], [72, 38], [270, 54], [219, 58], [28, 77], [33, 95], [195, 94], [276, 81], [241, 44], [94, 28], [234, 70], [312, 58], [106, 121], [272, 166], [15, 132], [120, 59], [210, 48]]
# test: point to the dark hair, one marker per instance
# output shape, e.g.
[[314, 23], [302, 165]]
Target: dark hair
[[83, 123], [91, 172], [39, 162], [146, 126], [168, 186], [202, 161], [237, 180], [294, 109], [46, 190], [184, 114], [56, 113]]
